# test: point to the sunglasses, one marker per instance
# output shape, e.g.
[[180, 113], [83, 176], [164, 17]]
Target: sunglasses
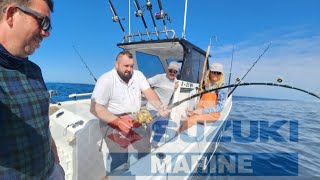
[[43, 20], [173, 71], [215, 72]]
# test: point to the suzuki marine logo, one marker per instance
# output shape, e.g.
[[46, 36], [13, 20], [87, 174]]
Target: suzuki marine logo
[[248, 131]]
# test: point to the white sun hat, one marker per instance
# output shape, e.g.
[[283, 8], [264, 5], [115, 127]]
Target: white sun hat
[[174, 65], [217, 67]]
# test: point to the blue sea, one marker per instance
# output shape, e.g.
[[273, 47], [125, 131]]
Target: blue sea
[[263, 138]]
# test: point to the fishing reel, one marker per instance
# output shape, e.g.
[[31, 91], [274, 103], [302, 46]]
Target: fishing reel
[[149, 5], [138, 13], [116, 18], [162, 15]]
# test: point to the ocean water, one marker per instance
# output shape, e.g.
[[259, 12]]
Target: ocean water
[[291, 147], [63, 90], [280, 139]]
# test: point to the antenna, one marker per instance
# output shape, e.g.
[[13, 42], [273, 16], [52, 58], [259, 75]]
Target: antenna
[[185, 20], [129, 19]]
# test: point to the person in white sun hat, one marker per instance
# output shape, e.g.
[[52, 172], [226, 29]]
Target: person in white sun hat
[[211, 104], [164, 85]]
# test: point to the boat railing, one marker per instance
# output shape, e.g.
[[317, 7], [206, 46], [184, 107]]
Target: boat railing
[[147, 34], [75, 96]]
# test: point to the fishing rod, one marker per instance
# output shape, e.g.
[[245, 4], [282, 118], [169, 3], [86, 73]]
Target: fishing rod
[[139, 13], [162, 15], [236, 85], [95, 79], [115, 18], [205, 63], [171, 106], [149, 7], [231, 65], [249, 70], [242, 84]]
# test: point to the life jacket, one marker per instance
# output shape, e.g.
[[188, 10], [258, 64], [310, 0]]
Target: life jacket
[[208, 100]]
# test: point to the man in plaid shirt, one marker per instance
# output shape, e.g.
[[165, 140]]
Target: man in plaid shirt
[[27, 149]]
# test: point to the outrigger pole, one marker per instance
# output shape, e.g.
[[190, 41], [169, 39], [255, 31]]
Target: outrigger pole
[[115, 18], [249, 70], [162, 15], [149, 7], [139, 13]]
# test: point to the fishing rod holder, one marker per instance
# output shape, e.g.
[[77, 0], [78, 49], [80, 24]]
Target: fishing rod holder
[[140, 35], [52, 93]]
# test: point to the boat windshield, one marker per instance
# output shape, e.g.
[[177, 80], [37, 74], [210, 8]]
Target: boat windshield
[[149, 64]]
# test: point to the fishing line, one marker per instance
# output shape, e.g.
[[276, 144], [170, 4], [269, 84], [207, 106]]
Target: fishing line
[[249, 69], [231, 65], [95, 79]]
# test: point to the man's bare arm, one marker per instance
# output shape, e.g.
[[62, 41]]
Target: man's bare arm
[[152, 97], [101, 112], [123, 124]]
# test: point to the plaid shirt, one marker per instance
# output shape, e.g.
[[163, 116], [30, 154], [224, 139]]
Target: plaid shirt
[[25, 139]]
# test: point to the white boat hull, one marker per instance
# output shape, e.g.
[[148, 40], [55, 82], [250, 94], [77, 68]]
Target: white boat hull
[[78, 145]]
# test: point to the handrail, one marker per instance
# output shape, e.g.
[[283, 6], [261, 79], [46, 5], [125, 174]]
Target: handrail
[[79, 95]]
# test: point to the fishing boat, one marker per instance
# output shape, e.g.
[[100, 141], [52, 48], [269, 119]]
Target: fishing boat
[[75, 130], [81, 148]]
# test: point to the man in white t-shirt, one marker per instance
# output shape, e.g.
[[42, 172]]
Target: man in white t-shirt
[[164, 85], [117, 93]]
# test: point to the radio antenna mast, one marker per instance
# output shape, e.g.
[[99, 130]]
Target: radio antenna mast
[[185, 20]]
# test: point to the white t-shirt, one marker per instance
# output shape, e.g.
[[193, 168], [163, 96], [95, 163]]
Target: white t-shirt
[[163, 86], [117, 96]]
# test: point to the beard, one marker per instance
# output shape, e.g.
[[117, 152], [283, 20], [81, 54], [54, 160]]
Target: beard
[[126, 76]]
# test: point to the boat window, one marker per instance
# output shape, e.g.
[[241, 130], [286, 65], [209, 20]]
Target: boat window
[[192, 67], [148, 64]]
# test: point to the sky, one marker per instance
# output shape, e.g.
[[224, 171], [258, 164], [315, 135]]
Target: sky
[[291, 26]]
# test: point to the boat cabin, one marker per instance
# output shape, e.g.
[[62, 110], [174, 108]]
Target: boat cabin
[[153, 57]]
